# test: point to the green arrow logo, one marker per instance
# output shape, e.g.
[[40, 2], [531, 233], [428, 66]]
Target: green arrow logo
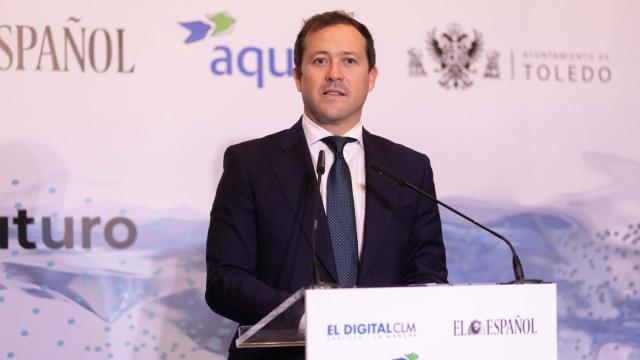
[[222, 22]]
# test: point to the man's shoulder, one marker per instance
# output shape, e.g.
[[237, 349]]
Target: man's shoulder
[[394, 149], [261, 142], [268, 144], [400, 159]]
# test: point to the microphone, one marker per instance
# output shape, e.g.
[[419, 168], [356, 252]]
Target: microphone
[[517, 265], [317, 202], [320, 167]]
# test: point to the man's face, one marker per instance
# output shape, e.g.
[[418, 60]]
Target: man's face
[[335, 77]]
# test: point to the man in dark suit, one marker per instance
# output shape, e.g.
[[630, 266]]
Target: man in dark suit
[[375, 233]]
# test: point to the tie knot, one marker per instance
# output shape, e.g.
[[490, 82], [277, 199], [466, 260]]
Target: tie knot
[[337, 143]]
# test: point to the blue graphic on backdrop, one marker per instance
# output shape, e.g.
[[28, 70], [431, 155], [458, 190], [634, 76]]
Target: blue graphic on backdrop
[[149, 299], [198, 30]]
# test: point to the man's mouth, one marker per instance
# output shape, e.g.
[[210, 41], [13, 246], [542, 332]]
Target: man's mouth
[[334, 92]]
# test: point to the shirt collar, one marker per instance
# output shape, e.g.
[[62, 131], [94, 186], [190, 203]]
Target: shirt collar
[[314, 132]]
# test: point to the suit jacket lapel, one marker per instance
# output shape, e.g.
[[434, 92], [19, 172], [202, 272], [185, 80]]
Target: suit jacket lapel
[[380, 197], [294, 170]]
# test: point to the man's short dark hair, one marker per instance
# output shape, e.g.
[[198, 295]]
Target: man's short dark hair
[[327, 19]]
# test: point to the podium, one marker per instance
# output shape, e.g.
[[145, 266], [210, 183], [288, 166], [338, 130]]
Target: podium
[[415, 322]]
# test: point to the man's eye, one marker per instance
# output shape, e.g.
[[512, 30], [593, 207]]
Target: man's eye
[[350, 61], [319, 61]]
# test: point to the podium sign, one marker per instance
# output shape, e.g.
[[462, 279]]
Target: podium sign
[[433, 322]]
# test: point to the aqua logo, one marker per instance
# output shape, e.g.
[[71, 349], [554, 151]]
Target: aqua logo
[[250, 61], [412, 356]]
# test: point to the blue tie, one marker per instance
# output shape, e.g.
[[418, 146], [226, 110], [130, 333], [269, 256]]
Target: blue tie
[[341, 214]]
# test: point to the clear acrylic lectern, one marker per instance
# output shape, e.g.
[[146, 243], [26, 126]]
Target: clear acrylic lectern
[[284, 326]]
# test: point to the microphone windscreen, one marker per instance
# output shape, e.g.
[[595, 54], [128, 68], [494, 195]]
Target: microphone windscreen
[[320, 165]]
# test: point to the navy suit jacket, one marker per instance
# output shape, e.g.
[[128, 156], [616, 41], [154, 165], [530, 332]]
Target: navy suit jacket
[[259, 240]]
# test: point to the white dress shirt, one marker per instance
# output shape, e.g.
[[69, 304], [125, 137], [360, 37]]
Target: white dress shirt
[[353, 154]]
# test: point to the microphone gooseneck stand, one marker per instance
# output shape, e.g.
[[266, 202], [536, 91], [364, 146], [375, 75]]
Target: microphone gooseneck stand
[[317, 205], [517, 265]]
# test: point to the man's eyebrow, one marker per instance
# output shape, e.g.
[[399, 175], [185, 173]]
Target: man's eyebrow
[[319, 52], [326, 52]]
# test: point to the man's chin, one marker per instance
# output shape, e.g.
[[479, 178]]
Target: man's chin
[[331, 120]]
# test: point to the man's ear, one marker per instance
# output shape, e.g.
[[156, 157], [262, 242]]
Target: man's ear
[[373, 75], [297, 76]]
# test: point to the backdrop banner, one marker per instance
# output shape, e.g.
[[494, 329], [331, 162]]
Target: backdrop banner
[[114, 117]]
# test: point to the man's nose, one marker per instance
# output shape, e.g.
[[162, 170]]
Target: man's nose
[[334, 72]]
